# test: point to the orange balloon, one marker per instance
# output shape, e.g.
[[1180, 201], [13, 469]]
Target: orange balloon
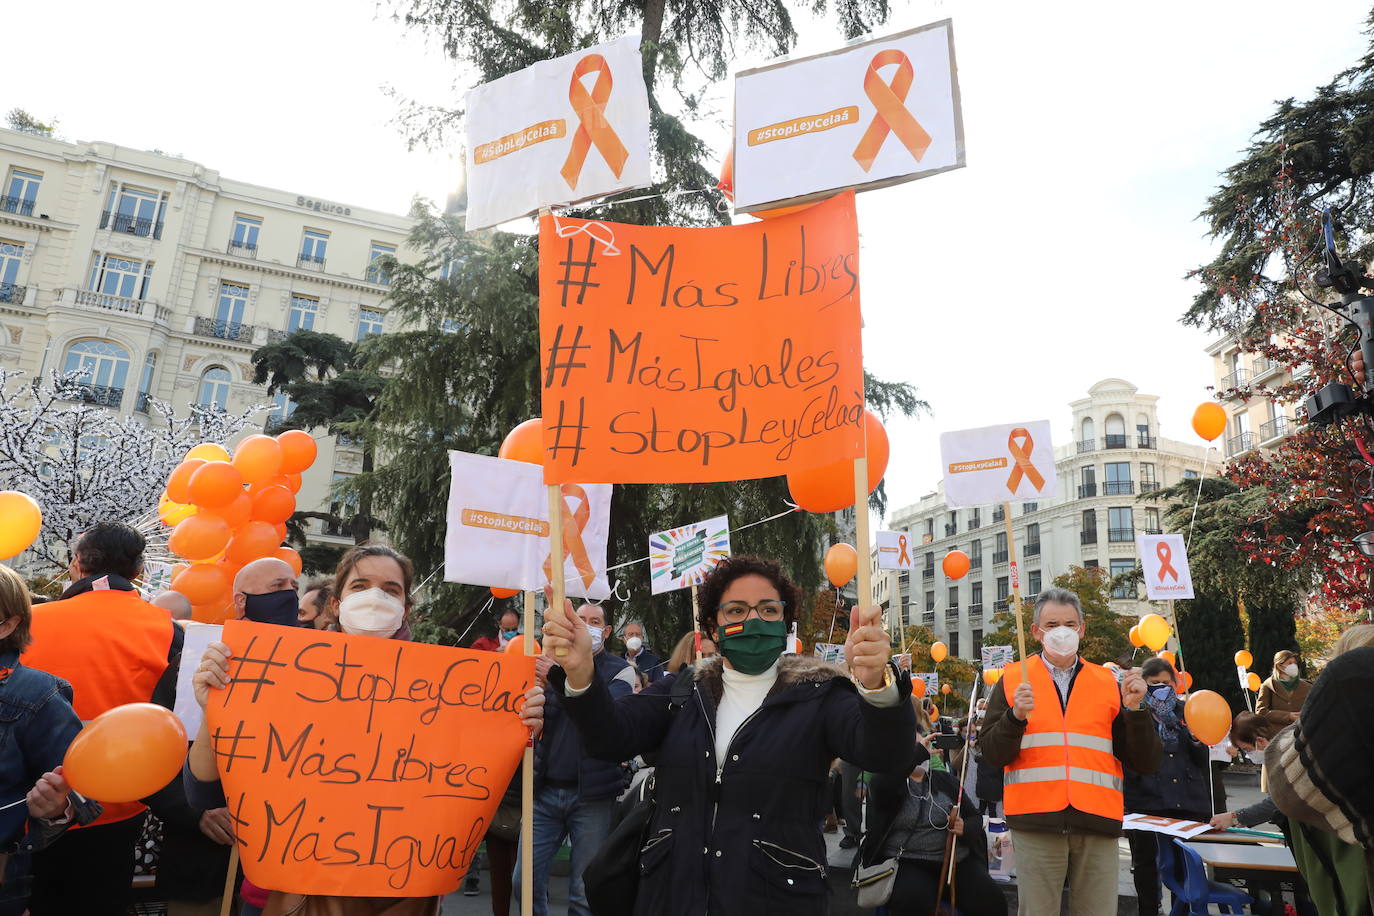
[[1155, 630], [258, 458], [201, 583], [1136, 639], [955, 564], [252, 541], [21, 521], [126, 753], [946, 689], [208, 451], [281, 480], [298, 451], [934, 712], [199, 537], [1185, 680], [215, 484], [236, 513], [212, 613], [179, 481], [841, 564], [290, 557], [1209, 420], [988, 677], [938, 652], [293, 482], [918, 687], [830, 487], [1252, 680], [273, 505], [178, 568], [280, 529], [1208, 716], [1168, 657], [524, 443], [517, 647], [173, 513], [504, 592], [1244, 659]]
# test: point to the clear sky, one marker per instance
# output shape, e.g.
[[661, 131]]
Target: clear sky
[[1095, 132]]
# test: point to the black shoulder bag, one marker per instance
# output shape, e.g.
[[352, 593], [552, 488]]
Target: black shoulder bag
[[611, 878]]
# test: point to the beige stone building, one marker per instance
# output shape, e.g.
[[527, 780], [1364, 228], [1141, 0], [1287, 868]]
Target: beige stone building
[[1260, 423], [161, 277], [1114, 454]]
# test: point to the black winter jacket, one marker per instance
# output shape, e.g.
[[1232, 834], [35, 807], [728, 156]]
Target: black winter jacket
[[748, 842], [1179, 787], [886, 795], [560, 753]]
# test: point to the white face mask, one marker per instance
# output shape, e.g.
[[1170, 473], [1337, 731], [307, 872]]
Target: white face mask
[[1290, 670], [598, 634], [1061, 640], [634, 643], [371, 613]]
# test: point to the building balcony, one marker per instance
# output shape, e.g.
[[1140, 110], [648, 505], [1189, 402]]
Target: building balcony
[[223, 330], [1263, 367], [377, 275], [1149, 486], [1276, 428], [1151, 531], [243, 250], [975, 562], [130, 225], [275, 337], [951, 530], [91, 301], [1237, 445], [1086, 445], [13, 293], [928, 619], [1087, 490], [16, 205], [1032, 549], [1115, 441], [1118, 487], [999, 556], [1238, 379], [998, 515], [928, 573], [1120, 535], [103, 395], [310, 261], [1087, 536], [975, 521], [951, 614], [141, 402], [1146, 442]]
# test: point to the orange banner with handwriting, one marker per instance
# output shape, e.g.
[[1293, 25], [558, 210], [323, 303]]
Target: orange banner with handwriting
[[360, 766], [673, 355]]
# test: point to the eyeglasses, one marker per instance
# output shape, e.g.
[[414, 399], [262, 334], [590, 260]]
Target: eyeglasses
[[735, 611]]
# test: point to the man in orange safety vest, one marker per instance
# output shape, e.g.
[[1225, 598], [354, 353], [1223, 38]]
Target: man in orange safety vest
[[1062, 734]]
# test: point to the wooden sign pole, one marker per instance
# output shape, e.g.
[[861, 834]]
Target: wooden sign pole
[[227, 901], [865, 594], [695, 652], [1015, 590], [527, 788]]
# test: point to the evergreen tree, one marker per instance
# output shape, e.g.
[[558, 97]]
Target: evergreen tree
[[1210, 633]]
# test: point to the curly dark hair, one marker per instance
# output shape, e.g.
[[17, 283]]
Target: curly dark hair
[[732, 568]]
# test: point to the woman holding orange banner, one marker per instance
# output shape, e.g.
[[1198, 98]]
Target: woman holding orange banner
[[743, 762]]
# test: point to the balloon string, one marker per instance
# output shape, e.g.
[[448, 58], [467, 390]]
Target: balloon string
[[1198, 498]]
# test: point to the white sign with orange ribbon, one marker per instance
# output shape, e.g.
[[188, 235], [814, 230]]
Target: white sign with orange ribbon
[[867, 115], [894, 550], [498, 528], [997, 464], [1164, 561], [563, 130]]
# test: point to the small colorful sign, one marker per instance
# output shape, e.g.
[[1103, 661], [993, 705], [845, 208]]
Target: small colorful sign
[[932, 680], [894, 550], [681, 557], [832, 652], [997, 657], [1164, 560]]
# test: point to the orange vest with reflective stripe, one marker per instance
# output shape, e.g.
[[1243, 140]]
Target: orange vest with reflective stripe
[[1066, 757], [111, 646]]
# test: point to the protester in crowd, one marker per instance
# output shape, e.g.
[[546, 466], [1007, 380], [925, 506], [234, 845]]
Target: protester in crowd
[[741, 764], [851, 804], [1178, 788], [265, 592], [682, 652], [574, 792], [1282, 694], [37, 723], [175, 603], [1250, 733], [1063, 734], [194, 853], [1319, 777], [314, 608], [638, 653], [988, 785], [910, 818], [507, 628], [113, 648], [372, 588]]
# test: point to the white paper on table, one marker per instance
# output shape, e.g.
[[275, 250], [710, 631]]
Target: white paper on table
[[1169, 826], [198, 636]]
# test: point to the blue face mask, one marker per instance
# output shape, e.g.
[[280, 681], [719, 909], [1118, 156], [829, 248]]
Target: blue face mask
[[1161, 691], [509, 634]]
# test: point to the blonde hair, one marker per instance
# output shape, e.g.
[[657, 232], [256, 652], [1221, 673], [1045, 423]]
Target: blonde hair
[[1356, 637], [682, 653], [14, 602]]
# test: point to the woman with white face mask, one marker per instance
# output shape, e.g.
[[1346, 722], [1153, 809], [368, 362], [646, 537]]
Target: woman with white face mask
[[1281, 696]]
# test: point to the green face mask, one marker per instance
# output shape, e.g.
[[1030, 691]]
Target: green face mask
[[754, 645]]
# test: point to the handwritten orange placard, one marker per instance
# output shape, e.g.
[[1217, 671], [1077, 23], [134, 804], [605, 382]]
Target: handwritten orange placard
[[359, 766], [674, 355]]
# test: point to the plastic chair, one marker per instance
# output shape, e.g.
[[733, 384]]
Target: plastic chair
[[1195, 894]]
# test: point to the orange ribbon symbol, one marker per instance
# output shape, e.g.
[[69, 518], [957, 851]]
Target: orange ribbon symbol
[[891, 116], [1022, 453], [592, 126], [903, 558], [1166, 555], [572, 535]]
